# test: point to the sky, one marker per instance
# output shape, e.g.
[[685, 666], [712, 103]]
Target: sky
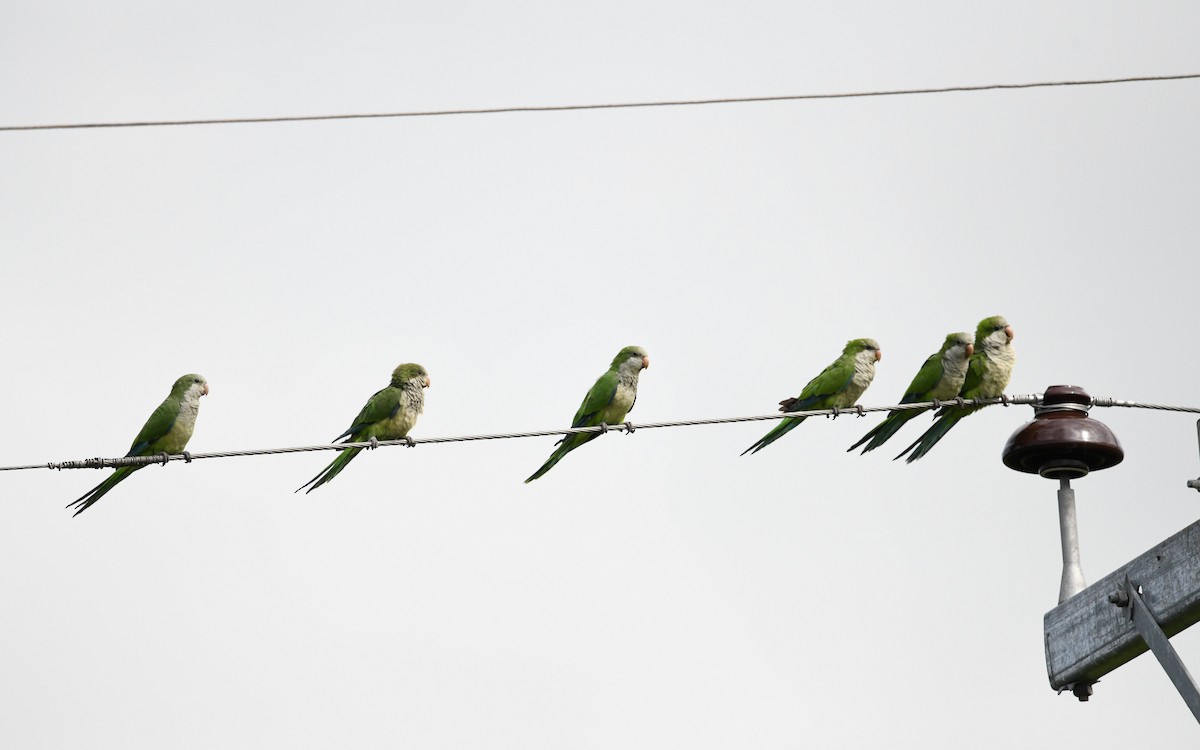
[[654, 590]]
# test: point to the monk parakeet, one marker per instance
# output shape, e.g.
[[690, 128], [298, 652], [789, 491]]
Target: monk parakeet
[[838, 385], [388, 415], [166, 431], [987, 377], [939, 378], [609, 400]]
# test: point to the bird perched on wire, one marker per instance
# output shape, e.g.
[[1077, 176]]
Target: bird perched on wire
[[988, 372], [941, 377], [388, 415], [167, 431], [841, 384], [608, 401]]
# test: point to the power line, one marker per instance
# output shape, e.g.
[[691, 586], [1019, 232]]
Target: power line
[[1034, 399], [619, 105]]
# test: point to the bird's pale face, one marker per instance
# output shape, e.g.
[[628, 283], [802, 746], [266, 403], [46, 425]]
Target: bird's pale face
[[1000, 337], [637, 359], [868, 351], [420, 378], [197, 387], [962, 348], [411, 373]]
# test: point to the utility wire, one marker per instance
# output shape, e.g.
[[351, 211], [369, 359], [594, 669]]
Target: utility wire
[[619, 105], [1034, 399]]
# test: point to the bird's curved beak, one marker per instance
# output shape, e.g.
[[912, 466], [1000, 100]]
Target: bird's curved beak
[[878, 355], [970, 350], [1008, 331], [427, 382], [646, 362], [205, 391]]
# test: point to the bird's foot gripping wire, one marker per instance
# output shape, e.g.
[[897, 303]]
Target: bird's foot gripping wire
[[409, 442], [164, 457], [834, 412], [629, 428], [187, 457], [373, 443]]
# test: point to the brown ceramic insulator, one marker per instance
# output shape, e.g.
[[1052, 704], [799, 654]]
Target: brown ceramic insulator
[[1062, 441]]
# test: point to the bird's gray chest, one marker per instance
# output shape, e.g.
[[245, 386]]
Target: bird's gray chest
[[411, 404], [624, 397], [181, 431], [864, 373]]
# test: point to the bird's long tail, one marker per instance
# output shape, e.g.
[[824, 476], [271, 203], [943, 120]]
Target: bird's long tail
[[565, 446], [785, 426], [102, 489], [332, 470], [930, 437], [883, 431]]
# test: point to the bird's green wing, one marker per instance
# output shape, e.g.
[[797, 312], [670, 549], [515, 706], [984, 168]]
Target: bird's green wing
[[383, 405], [600, 396], [975, 371], [832, 381], [927, 377], [156, 427]]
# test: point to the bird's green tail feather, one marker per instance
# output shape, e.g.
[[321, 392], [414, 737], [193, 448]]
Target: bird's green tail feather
[[785, 426], [930, 437], [332, 470], [565, 446], [883, 431], [102, 489]]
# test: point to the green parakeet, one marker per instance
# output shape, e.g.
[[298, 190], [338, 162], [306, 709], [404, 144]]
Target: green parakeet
[[987, 376], [609, 400], [388, 415], [841, 384], [941, 377], [166, 431]]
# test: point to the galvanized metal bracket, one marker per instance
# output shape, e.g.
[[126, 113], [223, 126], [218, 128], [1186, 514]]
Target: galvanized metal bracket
[[1130, 596]]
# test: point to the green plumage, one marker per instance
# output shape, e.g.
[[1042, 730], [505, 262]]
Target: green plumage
[[988, 372], [840, 384], [167, 431], [940, 377], [610, 399], [388, 415]]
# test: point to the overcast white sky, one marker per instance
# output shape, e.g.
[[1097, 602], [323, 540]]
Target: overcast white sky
[[653, 591]]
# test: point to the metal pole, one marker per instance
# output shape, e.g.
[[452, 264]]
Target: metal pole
[[1147, 626], [1072, 575]]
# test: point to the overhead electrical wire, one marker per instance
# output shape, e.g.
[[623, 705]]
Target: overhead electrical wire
[[616, 105], [1034, 400]]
